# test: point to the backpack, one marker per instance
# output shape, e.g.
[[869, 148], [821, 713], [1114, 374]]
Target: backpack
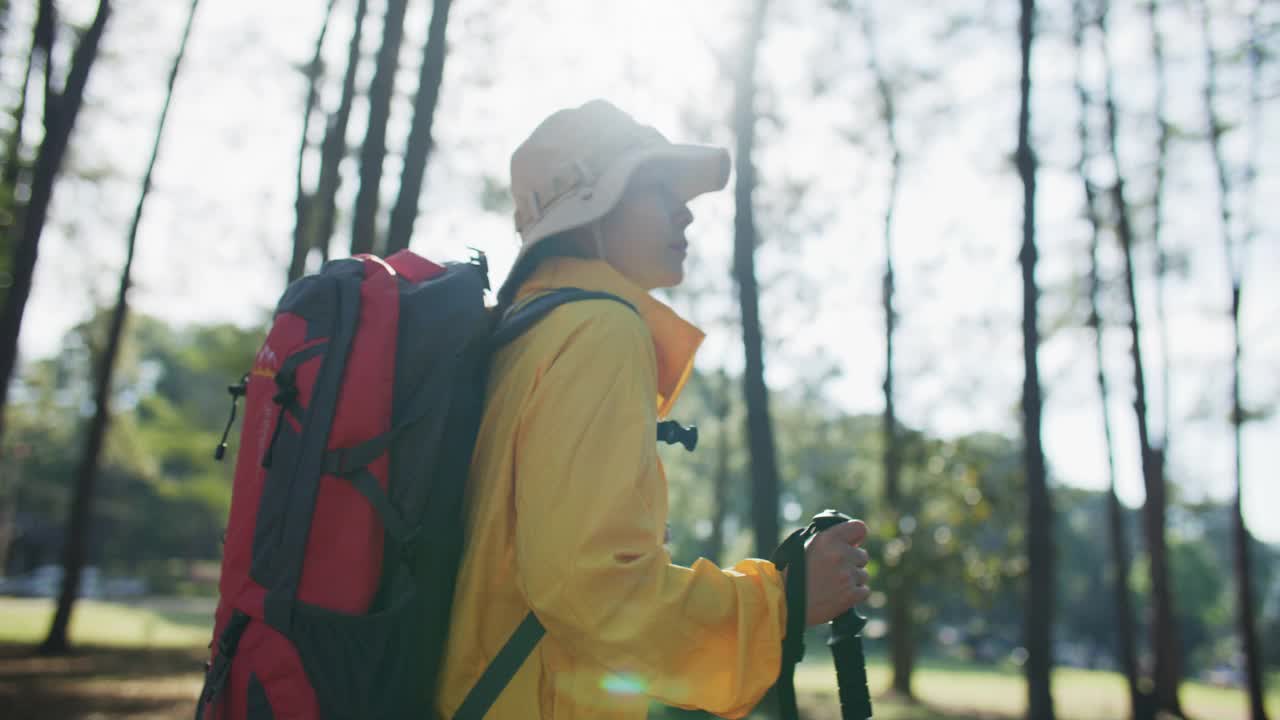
[[346, 523]]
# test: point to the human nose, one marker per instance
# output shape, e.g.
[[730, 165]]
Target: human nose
[[683, 217]]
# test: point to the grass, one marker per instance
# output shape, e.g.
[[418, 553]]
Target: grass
[[952, 691], [148, 624], [144, 659]]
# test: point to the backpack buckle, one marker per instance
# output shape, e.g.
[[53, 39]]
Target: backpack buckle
[[479, 260]]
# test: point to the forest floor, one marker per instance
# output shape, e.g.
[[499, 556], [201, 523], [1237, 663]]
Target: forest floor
[[145, 660]]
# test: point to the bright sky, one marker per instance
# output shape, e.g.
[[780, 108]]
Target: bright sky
[[215, 239]]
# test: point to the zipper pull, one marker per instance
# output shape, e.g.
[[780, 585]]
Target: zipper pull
[[286, 395], [237, 391]]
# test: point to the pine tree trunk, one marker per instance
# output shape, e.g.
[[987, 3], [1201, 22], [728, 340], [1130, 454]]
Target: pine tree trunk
[[1233, 250], [334, 148], [901, 627], [1127, 656], [765, 487], [304, 201], [14, 165], [1241, 539], [1126, 652], [79, 523], [60, 117], [1039, 618], [1166, 646], [419, 145], [1157, 221], [720, 489], [364, 226], [41, 44], [10, 482]]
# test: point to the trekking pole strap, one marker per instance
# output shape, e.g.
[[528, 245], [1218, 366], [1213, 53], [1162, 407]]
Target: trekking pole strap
[[790, 557], [846, 631]]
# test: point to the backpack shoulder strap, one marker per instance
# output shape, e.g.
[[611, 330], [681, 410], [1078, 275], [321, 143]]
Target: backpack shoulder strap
[[530, 631], [519, 319], [504, 666]]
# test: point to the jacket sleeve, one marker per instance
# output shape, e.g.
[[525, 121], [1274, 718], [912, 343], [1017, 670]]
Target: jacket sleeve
[[589, 537]]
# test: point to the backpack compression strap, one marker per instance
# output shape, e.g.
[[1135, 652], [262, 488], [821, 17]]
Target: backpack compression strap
[[526, 636]]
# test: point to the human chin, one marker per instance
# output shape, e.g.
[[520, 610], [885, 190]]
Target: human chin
[[672, 273]]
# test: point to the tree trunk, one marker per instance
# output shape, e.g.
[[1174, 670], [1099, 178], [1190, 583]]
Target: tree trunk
[[720, 488], [1235, 266], [765, 487], [1241, 538], [1255, 655], [418, 147], [901, 630], [80, 521], [1126, 652], [45, 32], [364, 227], [42, 44], [1039, 618], [14, 165], [1157, 222], [60, 117], [1166, 646], [10, 481], [334, 148], [303, 201]]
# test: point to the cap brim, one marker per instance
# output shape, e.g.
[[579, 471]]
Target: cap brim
[[694, 170]]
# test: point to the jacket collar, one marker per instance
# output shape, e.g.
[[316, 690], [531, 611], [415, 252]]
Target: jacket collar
[[675, 340]]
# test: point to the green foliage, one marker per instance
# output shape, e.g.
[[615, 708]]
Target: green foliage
[[162, 497], [958, 535]]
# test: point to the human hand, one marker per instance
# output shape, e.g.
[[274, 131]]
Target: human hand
[[835, 572]]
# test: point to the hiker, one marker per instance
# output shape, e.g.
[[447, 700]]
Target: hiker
[[566, 497]]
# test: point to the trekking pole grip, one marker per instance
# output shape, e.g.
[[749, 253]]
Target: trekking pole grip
[[846, 645]]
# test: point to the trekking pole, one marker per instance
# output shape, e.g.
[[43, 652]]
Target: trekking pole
[[846, 647], [846, 631]]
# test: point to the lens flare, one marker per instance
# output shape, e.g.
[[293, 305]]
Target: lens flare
[[624, 684]]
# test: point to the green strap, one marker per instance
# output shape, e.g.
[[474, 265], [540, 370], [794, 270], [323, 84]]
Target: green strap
[[502, 669]]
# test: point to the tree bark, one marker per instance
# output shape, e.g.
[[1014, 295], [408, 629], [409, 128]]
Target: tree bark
[[901, 630], [80, 521], [1040, 553], [764, 464], [1233, 251], [334, 149], [60, 117], [1157, 223], [303, 201], [373, 152], [1126, 653], [1166, 646], [14, 166], [720, 486], [42, 44], [418, 147], [45, 31]]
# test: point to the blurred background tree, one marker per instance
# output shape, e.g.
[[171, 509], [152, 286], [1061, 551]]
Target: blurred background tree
[[860, 285]]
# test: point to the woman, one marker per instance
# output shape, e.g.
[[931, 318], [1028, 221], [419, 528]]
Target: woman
[[567, 501]]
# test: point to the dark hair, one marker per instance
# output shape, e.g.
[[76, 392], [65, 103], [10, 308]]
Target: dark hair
[[566, 244]]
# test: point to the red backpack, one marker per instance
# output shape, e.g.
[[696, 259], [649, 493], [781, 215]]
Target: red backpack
[[345, 530]]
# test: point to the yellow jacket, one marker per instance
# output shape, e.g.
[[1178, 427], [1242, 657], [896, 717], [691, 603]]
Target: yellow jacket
[[566, 514]]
